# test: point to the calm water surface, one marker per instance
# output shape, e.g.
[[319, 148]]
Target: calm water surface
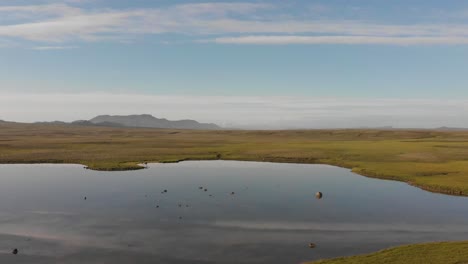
[[271, 218]]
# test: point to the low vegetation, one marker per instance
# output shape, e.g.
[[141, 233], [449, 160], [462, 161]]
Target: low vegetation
[[433, 253], [433, 160]]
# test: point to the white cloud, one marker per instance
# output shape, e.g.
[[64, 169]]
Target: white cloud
[[73, 23], [24, 14], [66, 28], [242, 111], [240, 23]]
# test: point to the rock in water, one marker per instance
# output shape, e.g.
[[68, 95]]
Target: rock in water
[[318, 195]]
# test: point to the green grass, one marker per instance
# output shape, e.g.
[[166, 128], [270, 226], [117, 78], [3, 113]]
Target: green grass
[[432, 253], [433, 160]]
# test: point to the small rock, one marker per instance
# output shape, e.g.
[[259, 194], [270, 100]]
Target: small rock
[[318, 195]]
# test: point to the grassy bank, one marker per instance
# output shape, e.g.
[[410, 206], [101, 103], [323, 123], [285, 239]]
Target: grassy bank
[[433, 253], [433, 160]]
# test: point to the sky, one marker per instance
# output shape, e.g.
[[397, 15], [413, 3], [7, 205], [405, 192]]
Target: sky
[[251, 64]]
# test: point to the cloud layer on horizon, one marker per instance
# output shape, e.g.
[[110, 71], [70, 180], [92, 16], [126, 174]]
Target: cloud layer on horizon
[[242, 111]]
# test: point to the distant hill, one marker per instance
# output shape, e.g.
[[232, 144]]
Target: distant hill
[[89, 123], [149, 121], [142, 121]]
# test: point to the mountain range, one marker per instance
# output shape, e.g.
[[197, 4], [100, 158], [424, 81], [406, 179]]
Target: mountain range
[[141, 121]]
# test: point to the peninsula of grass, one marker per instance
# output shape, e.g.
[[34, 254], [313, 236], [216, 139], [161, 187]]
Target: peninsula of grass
[[432, 253], [433, 160]]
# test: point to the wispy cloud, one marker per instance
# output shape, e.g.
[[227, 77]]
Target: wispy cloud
[[239, 23], [69, 23]]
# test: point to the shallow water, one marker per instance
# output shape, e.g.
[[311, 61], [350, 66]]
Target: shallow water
[[271, 218]]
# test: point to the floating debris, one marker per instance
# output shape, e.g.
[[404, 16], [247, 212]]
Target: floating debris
[[232, 193], [312, 245], [206, 190], [15, 251], [85, 198], [211, 195], [318, 195], [200, 188], [157, 206]]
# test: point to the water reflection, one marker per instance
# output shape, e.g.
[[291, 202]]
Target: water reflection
[[250, 213]]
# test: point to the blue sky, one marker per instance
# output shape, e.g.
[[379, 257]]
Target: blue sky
[[361, 49]]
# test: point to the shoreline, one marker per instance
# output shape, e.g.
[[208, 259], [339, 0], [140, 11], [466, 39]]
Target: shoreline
[[134, 166], [434, 161]]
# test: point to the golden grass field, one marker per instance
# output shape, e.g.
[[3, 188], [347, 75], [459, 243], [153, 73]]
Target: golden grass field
[[433, 160]]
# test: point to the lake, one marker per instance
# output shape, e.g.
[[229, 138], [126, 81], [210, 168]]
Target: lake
[[251, 212]]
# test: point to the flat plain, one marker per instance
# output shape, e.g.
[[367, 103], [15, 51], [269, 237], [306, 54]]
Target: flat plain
[[436, 161]]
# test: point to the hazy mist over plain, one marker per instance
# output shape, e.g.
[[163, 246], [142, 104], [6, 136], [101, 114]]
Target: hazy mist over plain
[[255, 112]]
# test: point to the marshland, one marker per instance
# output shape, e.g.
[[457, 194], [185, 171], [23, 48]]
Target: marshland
[[139, 192]]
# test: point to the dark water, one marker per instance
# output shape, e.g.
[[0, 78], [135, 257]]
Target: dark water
[[271, 218]]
